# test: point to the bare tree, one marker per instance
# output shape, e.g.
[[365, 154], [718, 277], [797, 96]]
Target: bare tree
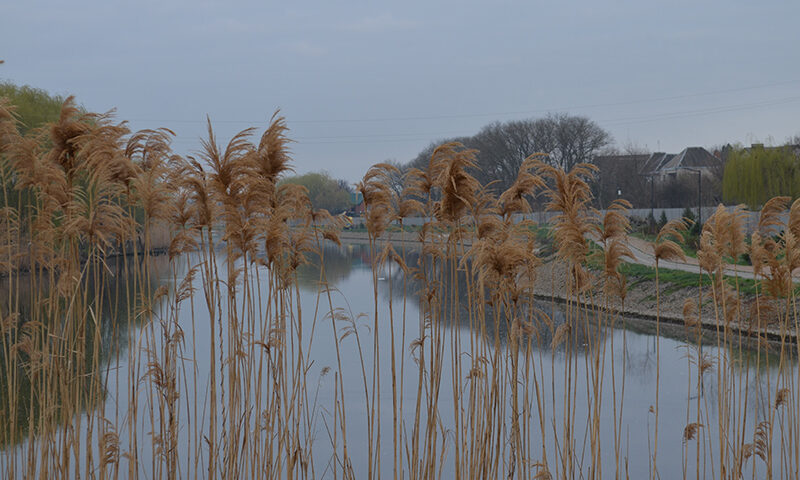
[[502, 147], [395, 178], [423, 158], [576, 139], [345, 185]]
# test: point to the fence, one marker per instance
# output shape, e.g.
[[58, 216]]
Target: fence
[[749, 218]]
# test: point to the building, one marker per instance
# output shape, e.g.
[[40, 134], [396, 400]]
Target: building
[[689, 162], [357, 206], [659, 179], [618, 177]]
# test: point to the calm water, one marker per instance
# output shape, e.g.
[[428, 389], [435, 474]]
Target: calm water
[[632, 345]]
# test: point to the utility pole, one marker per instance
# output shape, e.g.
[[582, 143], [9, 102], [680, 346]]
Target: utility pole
[[652, 196], [652, 192], [699, 198]]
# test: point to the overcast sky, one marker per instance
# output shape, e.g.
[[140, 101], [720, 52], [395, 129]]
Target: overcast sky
[[363, 82]]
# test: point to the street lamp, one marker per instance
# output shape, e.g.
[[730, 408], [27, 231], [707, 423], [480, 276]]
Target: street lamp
[[651, 175]]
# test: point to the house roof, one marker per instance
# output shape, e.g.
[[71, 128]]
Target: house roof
[[656, 160], [621, 158], [691, 157], [697, 157], [614, 162]]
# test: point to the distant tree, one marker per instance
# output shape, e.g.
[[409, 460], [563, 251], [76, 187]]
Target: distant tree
[[754, 175], [576, 139], [688, 214], [695, 228], [662, 220], [677, 192], [633, 148], [423, 158], [396, 177], [502, 147], [650, 221], [323, 191], [34, 106], [345, 185]]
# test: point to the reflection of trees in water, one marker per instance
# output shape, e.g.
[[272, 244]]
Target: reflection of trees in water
[[119, 310], [753, 388], [755, 385], [339, 264], [639, 361], [545, 316]]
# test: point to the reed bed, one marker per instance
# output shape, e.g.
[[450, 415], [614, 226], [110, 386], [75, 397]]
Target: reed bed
[[105, 373]]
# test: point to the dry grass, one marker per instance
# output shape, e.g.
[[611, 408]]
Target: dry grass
[[82, 191]]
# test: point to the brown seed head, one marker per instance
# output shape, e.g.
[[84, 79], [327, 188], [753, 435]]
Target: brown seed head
[[770, 214], [690, 431]]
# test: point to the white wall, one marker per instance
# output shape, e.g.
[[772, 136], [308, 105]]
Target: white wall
[[750, 218]]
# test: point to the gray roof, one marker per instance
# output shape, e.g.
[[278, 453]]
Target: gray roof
[[656, 160], [692, 157], [635, 160], [697, 157]]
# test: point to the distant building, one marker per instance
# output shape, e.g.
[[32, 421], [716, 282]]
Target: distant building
[[657, 179], [356, 198], [356, 204], [618, 177], [665, 166]]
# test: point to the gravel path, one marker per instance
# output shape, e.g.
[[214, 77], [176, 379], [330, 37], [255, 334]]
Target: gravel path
[[643, 254]]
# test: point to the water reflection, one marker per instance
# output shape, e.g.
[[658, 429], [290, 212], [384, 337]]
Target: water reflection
[[118, 312], [340, 262], [628, 372], [632, 357], [343, 261]]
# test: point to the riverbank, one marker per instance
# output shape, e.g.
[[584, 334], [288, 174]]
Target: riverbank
[[410, 239], [641, 301], [160, 239]]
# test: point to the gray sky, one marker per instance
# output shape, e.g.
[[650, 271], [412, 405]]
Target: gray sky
[[363, 82]]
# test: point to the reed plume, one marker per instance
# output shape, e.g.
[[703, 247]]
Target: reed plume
[[108, 376]]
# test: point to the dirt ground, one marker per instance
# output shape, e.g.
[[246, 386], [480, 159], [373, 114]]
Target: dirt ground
[[641, 302]]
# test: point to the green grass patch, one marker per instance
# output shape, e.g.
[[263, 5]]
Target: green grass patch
[[687, 250], [678, 279]]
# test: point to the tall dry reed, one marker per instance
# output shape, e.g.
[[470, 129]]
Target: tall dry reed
[[106, 372]]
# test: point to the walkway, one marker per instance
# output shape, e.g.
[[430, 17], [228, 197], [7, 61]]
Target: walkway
[[643, 254]]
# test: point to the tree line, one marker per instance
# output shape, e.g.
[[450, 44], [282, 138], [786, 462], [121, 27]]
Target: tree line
[[756, 174], [34, 107], [501, 147], [751, 175]]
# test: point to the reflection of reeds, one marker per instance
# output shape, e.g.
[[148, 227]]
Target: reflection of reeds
[[484, 402]]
